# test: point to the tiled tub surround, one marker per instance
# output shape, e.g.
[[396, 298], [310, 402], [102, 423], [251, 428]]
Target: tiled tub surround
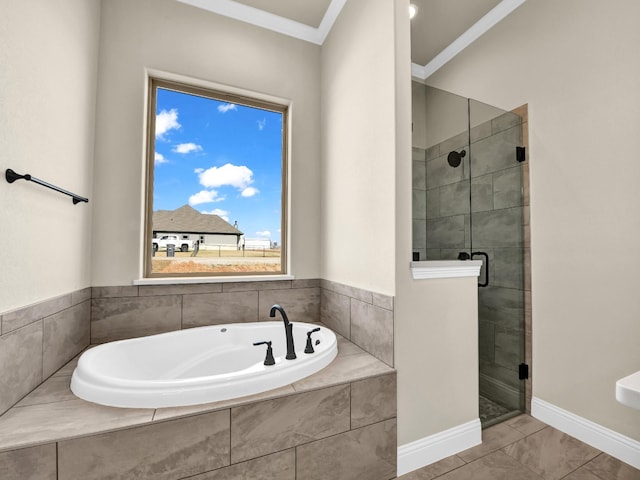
[[363, 317], [51, 432], [337, 423], [37, 340], [500, 226]]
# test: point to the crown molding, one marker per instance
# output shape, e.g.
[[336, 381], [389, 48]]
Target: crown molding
[[482, 26], [270, 21]]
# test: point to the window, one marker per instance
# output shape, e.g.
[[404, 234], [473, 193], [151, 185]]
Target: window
[[216, 183]]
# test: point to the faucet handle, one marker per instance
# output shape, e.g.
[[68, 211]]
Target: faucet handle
[[268, 360], [309, 347]]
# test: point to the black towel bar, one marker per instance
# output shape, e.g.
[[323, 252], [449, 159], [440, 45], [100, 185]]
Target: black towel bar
[[12, 176]]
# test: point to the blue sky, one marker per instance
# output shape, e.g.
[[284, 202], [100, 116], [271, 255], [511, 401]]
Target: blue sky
[[220, 158]]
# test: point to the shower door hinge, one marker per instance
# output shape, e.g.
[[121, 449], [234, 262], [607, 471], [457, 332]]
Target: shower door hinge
[[523, 371], [520, 154]]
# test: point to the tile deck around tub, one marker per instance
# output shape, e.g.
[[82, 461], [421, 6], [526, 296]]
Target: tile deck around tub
[[52, 413]]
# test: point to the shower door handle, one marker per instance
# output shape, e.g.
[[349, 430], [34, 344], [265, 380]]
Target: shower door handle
[[486, 267]]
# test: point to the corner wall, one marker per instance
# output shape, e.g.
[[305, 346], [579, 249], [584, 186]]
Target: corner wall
[[171, 37], [48, 80], [576, 64], [358, 147]]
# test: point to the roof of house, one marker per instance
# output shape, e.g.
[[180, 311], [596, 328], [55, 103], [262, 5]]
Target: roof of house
[[186, 219]]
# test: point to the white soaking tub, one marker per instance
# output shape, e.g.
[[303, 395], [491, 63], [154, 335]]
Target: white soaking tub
[[198, 365]]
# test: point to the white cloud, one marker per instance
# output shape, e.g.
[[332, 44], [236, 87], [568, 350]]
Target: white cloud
[[205, 196], [187, 148], [218, 211], [265, 233], [199, 170], [165, 121], [249, 192], [237, 176], [224, 108], [159, 158], [261, 124]]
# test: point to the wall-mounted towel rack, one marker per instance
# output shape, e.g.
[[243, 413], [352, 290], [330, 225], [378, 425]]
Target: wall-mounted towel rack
[[12, 176]]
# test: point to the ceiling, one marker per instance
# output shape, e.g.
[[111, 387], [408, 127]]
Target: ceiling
[[439, 31]]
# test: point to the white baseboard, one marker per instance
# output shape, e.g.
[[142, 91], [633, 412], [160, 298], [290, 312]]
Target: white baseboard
[[428, 450], [615, 444]]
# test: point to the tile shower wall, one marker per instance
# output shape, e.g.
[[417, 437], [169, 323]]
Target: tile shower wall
[[37, 340], [498, 225]]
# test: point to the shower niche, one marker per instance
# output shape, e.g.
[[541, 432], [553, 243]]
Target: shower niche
[[470, 201]]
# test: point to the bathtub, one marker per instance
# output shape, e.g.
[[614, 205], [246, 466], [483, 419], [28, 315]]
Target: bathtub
[[198, 365]]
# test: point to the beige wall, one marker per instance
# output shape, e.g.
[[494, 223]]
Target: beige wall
[[168, 36], [576, 64], [358, 147], [48, 78], [436, 320]]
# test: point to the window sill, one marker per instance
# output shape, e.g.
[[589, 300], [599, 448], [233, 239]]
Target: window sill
[[229, 279], [445, 269]]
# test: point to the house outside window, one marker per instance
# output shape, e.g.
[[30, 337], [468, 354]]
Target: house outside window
[[216, 183]]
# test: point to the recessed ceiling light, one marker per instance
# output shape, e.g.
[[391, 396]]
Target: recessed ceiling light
[[413, 9]]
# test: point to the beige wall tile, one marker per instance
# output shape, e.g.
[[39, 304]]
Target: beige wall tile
[[251, 286], [274, 425], [65, 335], [373, 400], [219, 308], [301, 304], [32, 313], [80, 296], [365, 453], [115, 291], [349, 291], [278, 466], [167, 450], [118, 318], [35, 463], [20, 363], [335, 312], [382, 301], [305, 283], [372, 329], [149, 290]]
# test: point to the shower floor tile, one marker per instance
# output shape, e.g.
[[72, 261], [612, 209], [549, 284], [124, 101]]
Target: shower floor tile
[[490, 410]]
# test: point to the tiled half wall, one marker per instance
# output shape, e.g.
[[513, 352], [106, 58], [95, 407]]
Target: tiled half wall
[[345, 431], [38, 339]]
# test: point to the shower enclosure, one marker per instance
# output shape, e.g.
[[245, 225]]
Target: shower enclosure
[[470, 202]]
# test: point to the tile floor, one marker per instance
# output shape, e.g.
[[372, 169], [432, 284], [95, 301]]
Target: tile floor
[[524, 448]]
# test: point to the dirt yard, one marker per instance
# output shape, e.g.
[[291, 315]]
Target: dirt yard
[[170, 266]]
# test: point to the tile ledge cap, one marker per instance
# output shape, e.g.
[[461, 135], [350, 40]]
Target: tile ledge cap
[[190, 280], [445, 269]]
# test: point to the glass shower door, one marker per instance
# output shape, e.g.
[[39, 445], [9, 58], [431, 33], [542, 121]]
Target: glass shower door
[[497, 228], [468, 203]]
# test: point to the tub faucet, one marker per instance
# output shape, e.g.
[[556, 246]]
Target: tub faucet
[[288, 330]]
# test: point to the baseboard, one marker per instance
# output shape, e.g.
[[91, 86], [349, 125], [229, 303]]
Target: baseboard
[[428, 450], [615, 444]]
